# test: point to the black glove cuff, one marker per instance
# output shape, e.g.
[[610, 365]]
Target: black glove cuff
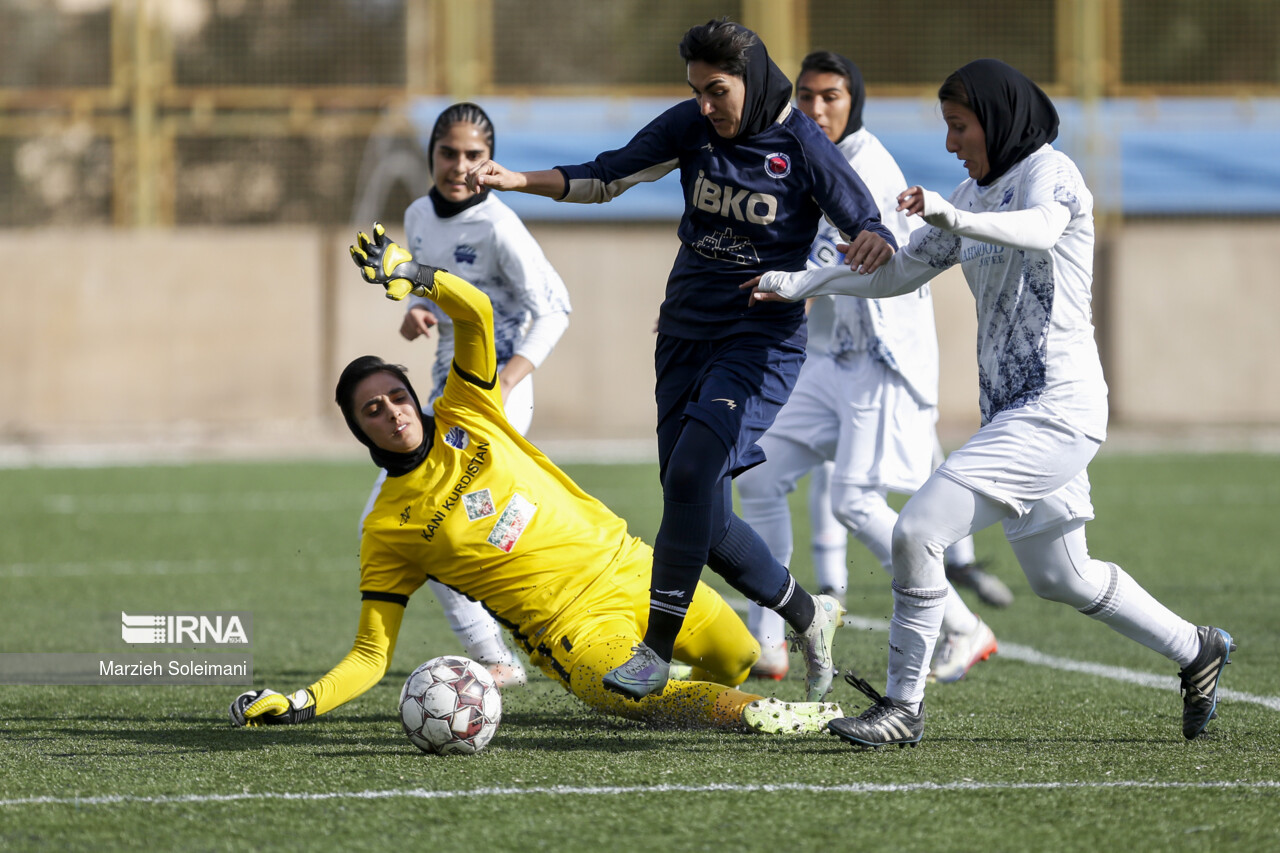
[[426, 276]]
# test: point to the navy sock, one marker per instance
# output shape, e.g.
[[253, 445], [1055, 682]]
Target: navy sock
[[743, 559], [679, 553], [796, 606]]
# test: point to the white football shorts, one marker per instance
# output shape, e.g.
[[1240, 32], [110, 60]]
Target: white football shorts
[[862, 416], [1033, 463]]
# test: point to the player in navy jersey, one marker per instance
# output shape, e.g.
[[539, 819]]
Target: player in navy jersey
[[757, 178], [866, 400]]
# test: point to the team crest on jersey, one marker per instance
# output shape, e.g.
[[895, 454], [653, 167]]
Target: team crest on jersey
[[478, 504], [464, 254], [457, 438], [778, 165], [511, 525]]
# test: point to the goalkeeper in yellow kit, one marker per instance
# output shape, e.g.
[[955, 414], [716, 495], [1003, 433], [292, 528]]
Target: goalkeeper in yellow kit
[[470, 503]]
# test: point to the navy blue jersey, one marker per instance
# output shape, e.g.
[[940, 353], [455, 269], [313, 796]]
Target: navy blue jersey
[[751, 206]]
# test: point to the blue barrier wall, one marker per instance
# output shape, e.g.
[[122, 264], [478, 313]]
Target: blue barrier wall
[[1159, 156]]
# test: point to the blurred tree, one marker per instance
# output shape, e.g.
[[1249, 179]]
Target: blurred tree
[[572, 43], [922, 41], [43, 44], [1191, 42], [294, 43]]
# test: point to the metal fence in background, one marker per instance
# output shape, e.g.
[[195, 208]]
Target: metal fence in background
[[219, 112]]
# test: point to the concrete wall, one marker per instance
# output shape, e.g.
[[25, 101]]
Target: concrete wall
[[237, 335], [1195, 324]]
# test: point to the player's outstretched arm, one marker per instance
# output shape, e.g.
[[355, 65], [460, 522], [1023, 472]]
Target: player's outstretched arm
[[363, 667], [493, 175], [1035, 228], [903, 273]]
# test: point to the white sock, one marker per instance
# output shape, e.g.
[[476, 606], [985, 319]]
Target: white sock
[[830, 566], [829, 540], [913, 632], [1127, 608], [957, 618], [770, 518], [1058, 566], [766, 626]]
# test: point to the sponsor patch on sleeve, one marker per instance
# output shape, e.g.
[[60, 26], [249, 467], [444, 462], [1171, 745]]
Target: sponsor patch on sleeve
[[510, 526]]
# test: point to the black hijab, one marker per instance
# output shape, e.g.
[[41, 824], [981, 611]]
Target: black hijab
[[446, 209], [857, 94], [768, 92], [1016, 115], [397, 464]]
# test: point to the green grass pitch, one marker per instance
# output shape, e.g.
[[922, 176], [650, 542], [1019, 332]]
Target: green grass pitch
[[1045, 747]]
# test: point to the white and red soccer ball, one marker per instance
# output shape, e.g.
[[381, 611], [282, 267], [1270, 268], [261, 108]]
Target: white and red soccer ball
[[450, 706]]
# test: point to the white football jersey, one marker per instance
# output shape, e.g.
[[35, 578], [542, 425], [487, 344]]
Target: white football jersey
[[489, 246], [898, 331], [1035, 316]]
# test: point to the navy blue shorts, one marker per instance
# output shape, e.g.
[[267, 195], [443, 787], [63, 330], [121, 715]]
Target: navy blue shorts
[[734, 385]]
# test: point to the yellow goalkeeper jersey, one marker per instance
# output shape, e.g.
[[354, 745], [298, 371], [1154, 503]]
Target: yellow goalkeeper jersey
[[486, 513]]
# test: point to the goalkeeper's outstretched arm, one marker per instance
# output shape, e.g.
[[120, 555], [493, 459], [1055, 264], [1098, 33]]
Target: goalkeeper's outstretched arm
[[363, 667]]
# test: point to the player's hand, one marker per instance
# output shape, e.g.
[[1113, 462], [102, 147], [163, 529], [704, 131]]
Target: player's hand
[[911, 200], [266, 707], [494, 175], [391, 265], [759, 291], [417, 323], [929, 206], [867, 253]]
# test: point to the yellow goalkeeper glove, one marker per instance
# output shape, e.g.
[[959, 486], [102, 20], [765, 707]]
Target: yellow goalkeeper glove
[[268, 708], [391, 265]]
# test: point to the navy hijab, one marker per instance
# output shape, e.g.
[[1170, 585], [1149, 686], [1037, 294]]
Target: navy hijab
[[768, 92], [1016, 115], [397, 464]]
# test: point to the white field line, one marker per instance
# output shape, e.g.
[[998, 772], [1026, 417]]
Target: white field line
[[1026, 654], [965, 785], [198, 503]]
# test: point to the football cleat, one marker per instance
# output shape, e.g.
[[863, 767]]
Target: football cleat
[[959, 651], [815, 643], [643, 674], [506, 675], [773, 662], [1200, 679], [775, 717], [990, 589], [884, 723]]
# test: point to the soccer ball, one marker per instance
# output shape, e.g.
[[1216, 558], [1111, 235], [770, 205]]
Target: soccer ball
[[450, 706]]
